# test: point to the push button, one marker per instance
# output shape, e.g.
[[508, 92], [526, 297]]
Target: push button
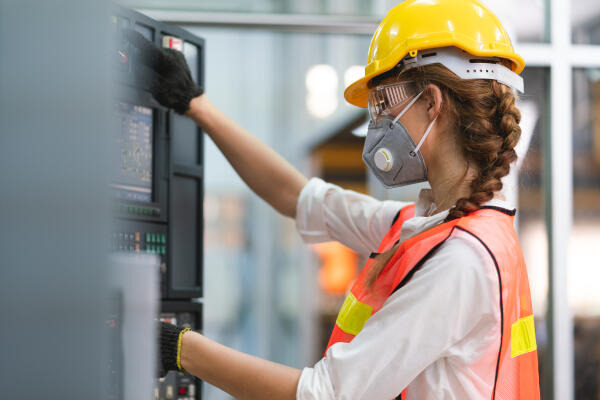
[[170, 392]]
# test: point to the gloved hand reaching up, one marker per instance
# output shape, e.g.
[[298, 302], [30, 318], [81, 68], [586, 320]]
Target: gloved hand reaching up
[[170, 348], [173, 86]]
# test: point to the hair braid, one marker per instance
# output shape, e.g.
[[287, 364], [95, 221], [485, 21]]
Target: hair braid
[[489, 141]]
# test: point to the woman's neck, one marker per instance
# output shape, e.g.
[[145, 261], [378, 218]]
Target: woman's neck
[[450, 181]]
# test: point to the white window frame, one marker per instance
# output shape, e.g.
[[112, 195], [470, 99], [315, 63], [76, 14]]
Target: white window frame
[[562, 57]]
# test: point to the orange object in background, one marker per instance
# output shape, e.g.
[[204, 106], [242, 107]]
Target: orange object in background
[[339, 267]]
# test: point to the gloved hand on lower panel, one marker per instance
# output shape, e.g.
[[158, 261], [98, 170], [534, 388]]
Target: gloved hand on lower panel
[[170, 348]]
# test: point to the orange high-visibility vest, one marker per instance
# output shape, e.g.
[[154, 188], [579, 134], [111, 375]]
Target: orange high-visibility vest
[[517, 365]]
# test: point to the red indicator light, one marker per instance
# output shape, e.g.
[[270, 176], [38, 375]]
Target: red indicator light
[[171, 42], [183, 390]]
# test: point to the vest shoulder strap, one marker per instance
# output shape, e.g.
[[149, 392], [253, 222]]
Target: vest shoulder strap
[[492, 227]]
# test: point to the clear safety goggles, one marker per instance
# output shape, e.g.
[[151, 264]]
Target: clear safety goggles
[[387, 100]]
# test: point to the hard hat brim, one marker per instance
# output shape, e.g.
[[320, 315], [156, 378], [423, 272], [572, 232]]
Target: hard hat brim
[[357, 93]]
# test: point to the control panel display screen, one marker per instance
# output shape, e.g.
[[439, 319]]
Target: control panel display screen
[[134, 131]]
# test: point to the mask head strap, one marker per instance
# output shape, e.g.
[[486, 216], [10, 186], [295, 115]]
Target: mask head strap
[[414, 152], [413, 101]]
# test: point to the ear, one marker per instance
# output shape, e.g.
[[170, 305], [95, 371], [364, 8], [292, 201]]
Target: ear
[[433, 97]]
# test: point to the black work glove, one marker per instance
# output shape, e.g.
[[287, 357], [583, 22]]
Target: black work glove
[[172, 85], [170, 348]]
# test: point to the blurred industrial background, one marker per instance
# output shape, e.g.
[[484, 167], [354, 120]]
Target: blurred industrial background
[[279, 67]]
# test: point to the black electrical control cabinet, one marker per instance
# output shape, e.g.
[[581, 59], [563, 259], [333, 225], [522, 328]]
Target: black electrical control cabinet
[[157, 179]]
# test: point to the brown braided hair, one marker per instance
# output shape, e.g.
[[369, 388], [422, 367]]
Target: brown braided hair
[[485, 119]]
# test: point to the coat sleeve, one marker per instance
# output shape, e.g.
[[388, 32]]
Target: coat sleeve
[[327, 212]]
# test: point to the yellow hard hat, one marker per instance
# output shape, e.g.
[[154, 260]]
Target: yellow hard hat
[[415, 25]]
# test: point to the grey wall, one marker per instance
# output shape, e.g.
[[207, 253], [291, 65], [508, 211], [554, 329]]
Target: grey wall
[[53, 200]]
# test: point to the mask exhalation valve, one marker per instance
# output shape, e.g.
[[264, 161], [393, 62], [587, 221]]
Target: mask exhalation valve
[[383, 159]]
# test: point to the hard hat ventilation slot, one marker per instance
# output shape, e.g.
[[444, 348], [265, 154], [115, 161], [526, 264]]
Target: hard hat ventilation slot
[[477, 61], [429, 55]]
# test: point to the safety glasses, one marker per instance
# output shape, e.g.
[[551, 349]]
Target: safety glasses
[[386, 100]]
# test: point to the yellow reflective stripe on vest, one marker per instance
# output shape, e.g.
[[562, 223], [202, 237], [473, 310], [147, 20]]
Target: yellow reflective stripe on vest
[[353, 315], [522, 337]]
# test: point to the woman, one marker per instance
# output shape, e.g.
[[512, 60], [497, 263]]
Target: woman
[[442, 309]]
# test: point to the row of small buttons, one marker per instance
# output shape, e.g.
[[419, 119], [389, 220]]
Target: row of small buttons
[[131, 241], [143, 211], [151, 212], [126, 241], [183, 391], [160, 238], [127, 237], [154, 249]]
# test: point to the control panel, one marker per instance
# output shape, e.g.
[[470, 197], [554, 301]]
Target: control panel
[[157, 182], [157, 177]]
